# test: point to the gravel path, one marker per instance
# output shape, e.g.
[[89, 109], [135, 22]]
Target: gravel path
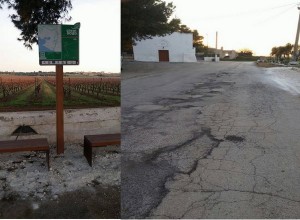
[[71, 184]]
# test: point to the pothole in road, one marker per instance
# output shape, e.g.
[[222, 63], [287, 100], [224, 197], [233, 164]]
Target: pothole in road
[[234, 138]]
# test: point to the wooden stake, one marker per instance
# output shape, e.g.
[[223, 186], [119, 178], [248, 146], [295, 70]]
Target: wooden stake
[[59, 109]]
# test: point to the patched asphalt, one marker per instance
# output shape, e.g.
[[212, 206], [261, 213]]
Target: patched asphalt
[[210, 140]]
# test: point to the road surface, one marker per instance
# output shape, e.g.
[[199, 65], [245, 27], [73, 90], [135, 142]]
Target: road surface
[[210, 140]]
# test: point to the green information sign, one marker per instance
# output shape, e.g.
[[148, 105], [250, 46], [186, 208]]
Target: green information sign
[[58, 44]]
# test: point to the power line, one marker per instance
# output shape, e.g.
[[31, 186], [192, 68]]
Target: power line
[[273, 16], [255, 11], [284, 5]]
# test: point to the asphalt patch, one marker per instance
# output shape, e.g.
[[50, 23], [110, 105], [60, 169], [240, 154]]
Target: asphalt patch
[[234, 138], [143, 187]]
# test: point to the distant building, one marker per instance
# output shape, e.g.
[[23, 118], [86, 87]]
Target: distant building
[[176, 47], [230, 54]]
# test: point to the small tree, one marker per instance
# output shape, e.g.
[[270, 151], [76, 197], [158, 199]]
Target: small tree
[[198, 43], [176, 26], [247, 53], [143, 19]]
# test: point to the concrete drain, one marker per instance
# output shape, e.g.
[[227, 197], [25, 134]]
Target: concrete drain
[[24, 130]]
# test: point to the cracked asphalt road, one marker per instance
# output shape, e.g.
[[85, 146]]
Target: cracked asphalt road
[[210, 140]]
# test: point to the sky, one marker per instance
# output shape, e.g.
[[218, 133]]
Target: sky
[[99, 40], [258, 25]]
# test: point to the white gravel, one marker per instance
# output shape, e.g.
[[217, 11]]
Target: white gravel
[[25, 174]]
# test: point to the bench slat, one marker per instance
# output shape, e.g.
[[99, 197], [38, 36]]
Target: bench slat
[[40, 144], [102, 140]]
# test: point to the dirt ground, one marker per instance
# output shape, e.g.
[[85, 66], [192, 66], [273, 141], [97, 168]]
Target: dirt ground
[[90, 202]]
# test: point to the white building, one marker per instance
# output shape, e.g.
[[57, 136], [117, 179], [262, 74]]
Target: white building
[[176, 47], [229, 54]]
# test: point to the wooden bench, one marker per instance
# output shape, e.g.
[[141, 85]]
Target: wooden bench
[[40, 144], [100, 140]]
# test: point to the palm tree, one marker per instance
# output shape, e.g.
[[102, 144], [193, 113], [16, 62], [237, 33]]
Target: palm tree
[[275, 52], [280, 51], [288, 49]]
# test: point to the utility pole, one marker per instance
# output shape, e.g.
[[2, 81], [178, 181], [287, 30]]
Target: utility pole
[[216, 40], [295, 57], [216, 56]]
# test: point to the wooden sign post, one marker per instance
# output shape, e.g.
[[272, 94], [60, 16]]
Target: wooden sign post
[[60, 109], [59, 45]]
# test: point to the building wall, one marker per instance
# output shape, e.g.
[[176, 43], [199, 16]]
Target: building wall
[[211, 59], [222, 53], [179, 45], [77, 123]]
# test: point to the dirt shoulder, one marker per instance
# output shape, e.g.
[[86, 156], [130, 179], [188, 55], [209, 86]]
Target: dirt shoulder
[[267, 65]]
